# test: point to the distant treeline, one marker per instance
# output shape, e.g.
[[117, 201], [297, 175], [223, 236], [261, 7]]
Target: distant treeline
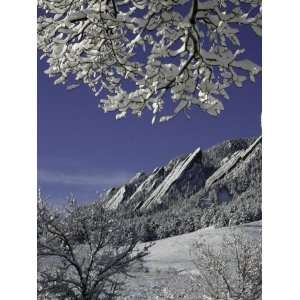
[[188, 216]]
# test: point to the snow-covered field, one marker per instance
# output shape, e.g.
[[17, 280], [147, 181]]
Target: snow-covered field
[[169, 264], [174, 252]]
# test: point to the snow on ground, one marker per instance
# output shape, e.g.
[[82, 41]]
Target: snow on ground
[[174, 252], [169, 264]]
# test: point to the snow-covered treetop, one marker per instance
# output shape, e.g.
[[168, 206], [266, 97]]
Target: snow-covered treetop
[[141, 53]]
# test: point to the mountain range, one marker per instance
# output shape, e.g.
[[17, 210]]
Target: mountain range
[[219, 174]]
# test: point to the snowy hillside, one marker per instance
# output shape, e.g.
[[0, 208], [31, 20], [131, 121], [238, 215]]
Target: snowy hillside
[[174, 252], [169, 263]]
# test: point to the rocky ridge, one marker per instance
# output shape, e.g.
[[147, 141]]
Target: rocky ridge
[[220, 173]]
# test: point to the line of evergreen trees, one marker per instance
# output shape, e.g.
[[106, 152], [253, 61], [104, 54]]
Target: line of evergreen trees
[[190, 215]]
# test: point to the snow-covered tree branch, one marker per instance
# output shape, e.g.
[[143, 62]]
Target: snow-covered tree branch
[[141, 53]]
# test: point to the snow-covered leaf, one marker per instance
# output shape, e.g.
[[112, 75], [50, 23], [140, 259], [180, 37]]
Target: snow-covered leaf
[[72, 87], [166, 118], [182, 104], [121, 115], [257, 29]]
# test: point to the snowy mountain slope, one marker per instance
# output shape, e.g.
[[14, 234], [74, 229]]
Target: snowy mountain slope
[[200, 174], [116, 196], [238, 176], [149, 184], [158, 194], [231, 163]]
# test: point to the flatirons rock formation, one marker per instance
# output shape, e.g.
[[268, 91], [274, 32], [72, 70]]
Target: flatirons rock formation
[[217, 174], [239, 175], [231, 162], [116, 196]]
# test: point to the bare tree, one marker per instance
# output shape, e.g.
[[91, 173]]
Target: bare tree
[[230, 272], [143, 52], [83, 253]]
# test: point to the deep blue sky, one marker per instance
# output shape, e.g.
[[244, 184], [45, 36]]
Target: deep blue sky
[[82, 150]]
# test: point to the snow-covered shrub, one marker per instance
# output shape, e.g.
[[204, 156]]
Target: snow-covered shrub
[[231, 272]]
